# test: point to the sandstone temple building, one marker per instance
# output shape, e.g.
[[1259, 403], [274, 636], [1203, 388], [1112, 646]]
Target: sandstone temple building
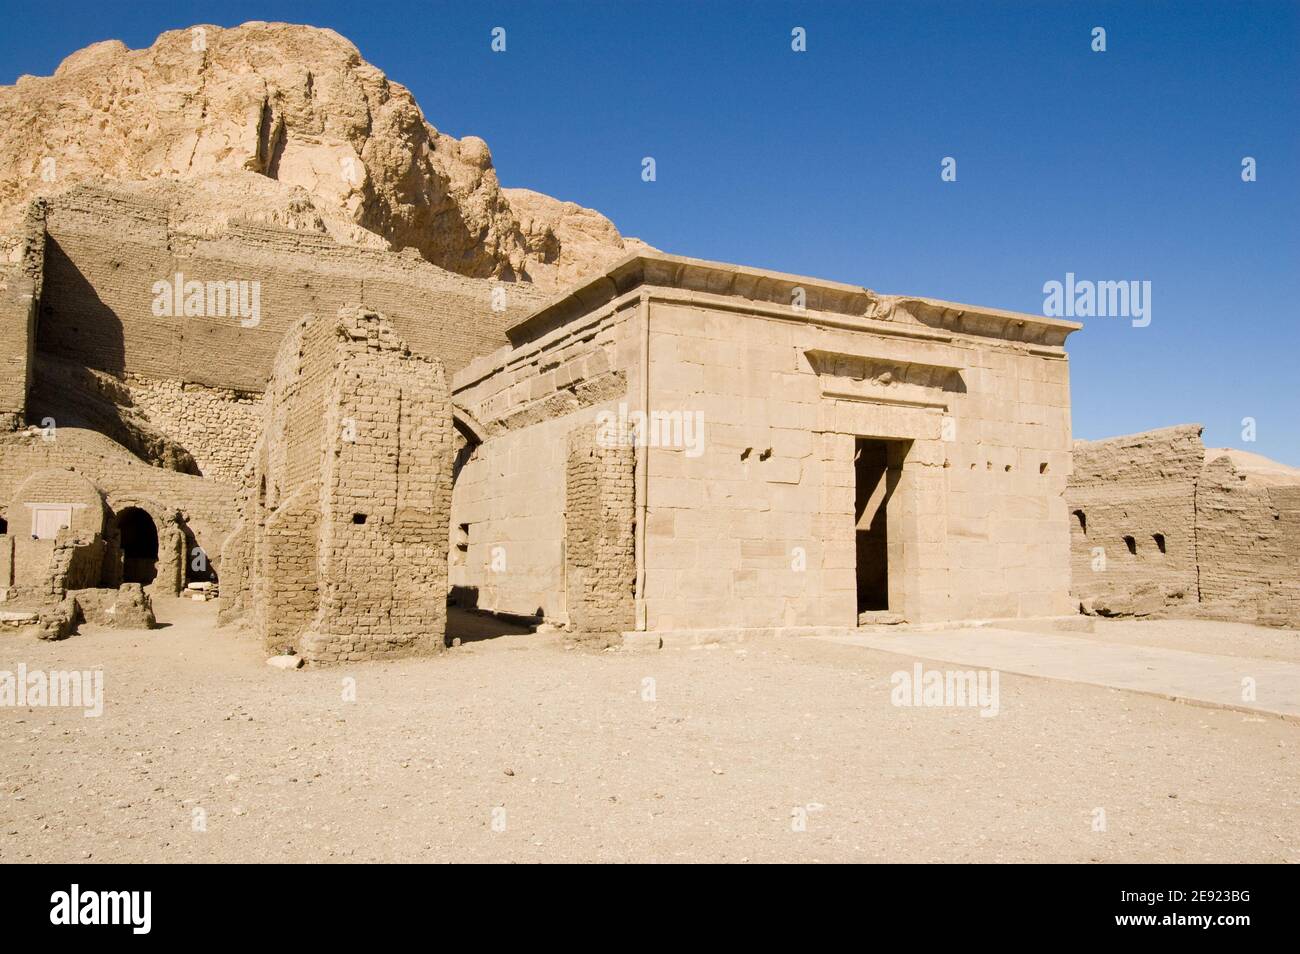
[[714, 456]]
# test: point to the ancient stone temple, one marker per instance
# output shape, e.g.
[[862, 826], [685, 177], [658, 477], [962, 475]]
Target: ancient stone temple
[[728, 448]]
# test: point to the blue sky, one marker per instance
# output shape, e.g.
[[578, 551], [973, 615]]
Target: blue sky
[[1122, 165]]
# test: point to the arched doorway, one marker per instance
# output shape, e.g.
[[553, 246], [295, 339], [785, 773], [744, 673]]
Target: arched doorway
[[138, 536]]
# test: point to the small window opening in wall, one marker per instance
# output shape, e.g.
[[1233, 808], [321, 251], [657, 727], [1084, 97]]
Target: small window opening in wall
[[1042, 468], [1007, 468], [4, 525], [1083, 521], [1131, 544], [358, 518], [1159, 538]]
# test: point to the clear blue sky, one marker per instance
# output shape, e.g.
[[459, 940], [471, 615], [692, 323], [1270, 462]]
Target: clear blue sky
[[1117, 165]]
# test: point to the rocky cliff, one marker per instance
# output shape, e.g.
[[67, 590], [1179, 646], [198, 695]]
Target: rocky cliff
[[287, 125]]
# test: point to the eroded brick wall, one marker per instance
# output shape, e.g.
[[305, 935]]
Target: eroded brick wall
[[386, 498], [599, 534], [196, 378], [1128, 495], [218, 426], [1231, 536], [288, 582], [209, 506], [1249, 544], [342, 551], [21, 276]]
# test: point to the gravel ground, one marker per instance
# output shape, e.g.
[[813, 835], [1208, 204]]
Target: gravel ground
[[518, 749]]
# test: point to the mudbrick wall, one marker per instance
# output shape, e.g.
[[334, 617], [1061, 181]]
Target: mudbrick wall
[[345, 529], [207, 507], [116, 281], [1248, 542], [599, 534], [1132, 504], [20, 289], [1157, 524], [106, 252]]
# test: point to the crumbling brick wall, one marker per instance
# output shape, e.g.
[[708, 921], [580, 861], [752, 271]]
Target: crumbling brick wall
[[1132, 503], [288, 582], [76, 563], [218, 426], [1231, 537], [349, 495], [20, 291], [195, 380], [599, 534], [208, 507], [1249, 544], [385, 500]]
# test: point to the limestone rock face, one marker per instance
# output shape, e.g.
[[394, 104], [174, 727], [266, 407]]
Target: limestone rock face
[[287, 125]]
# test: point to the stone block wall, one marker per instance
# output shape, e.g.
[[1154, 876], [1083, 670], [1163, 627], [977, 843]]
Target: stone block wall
[[218, 426], [509, 499], [758, 528]]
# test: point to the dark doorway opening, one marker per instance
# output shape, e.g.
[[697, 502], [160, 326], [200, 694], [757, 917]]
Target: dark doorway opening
[[877, 466], [138, 537]]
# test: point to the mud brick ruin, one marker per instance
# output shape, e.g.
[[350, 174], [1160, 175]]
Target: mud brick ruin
[[1160, 524], [502, 404], [341, 552]]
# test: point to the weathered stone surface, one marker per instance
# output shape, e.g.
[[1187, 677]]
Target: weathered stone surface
[[285, 125]]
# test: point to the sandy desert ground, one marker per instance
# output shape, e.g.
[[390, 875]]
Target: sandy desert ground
[[518, 749]]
